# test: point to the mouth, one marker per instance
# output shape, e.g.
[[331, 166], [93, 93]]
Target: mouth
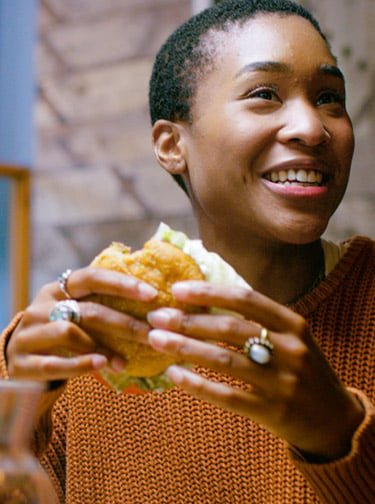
[[296, 177]]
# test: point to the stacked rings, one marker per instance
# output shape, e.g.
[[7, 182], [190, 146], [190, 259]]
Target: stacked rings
[[259, 350]]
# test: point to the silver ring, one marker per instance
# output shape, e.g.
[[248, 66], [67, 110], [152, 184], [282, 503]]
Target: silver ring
[[259, 350], [68, 309], [63, 280]]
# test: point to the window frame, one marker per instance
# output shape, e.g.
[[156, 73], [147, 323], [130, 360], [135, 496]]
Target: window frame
[[19, 231]]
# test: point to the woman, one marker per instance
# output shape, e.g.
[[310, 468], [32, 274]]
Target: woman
[[248, 112]]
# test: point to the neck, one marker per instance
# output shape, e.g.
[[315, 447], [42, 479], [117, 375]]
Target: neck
[[283, 272]]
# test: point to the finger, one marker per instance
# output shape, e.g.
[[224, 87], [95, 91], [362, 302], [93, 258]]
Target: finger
[[95, 319], [249, 303], [226, 328], [216, 357], [36, 313], [54, 336], [51, 367], [290, 349], [219, 394], [102, 321], [86, 281]]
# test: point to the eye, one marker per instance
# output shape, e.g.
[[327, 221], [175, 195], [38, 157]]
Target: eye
[[264, 92], [330, 96]]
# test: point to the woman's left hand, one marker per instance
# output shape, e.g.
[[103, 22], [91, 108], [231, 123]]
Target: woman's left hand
[[297, 395]]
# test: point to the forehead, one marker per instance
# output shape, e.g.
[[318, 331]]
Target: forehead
[[267, 37]]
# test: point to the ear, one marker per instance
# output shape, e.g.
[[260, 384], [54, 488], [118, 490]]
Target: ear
[[169, 146]]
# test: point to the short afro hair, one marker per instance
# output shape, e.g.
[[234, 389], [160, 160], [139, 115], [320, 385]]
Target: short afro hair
[[187, 54]]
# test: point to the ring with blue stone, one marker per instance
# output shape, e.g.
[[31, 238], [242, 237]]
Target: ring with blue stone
[[259, 350], [66, 310]]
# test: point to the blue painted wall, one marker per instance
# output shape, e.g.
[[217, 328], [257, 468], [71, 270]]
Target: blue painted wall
[[17, 96]]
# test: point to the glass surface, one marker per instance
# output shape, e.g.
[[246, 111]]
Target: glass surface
[[22, 479]]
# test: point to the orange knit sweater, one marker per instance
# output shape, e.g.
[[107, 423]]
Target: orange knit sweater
[[171, 448]]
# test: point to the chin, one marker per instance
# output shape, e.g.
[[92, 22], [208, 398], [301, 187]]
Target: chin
[[304, 234]]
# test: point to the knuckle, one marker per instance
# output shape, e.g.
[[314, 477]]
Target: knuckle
[[47, 366], [199, 384], [228, 325], [17, 343], [93, 275], [299, 355], [181, 348], [290, 386], [202, 289], [183, 322], [133, 326], [225, 359], [46, 289], [92, 312], [230, 399], [298, 350], [70, 332], [283, 397], [30, 314], [248, 294], [301, 327], [88, 279]]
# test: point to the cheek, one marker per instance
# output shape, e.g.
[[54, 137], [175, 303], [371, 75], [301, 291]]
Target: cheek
[[345, 143], [342, 148]]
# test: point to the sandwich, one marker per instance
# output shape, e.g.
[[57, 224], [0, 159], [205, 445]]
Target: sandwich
[[168, 257]]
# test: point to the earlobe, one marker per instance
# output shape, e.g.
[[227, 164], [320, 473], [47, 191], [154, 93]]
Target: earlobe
[[168, 143]]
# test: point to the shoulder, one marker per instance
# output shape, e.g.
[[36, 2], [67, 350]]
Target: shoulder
[[359, 251]]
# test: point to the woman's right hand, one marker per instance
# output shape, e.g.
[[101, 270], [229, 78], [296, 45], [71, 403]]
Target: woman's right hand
[[42, 350]]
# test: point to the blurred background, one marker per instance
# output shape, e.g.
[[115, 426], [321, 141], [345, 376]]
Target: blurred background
[[93, 175]]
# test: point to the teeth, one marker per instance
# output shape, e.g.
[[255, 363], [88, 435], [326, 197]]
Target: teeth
[[302, 176], [283, 175], [313, 177], [292, 175]]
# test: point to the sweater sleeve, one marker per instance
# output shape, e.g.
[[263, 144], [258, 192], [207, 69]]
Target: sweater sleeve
[[351, 479], [3, 344]]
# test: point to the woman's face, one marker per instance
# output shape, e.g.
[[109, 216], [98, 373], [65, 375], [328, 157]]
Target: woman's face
[[270, 145]]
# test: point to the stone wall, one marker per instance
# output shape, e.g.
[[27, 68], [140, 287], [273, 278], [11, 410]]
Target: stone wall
[[95, 177]]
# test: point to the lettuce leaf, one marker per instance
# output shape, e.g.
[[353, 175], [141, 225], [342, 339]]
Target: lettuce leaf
[[213, 267]]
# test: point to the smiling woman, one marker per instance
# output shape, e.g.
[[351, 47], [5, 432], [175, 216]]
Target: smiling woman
[[276, 403], [265, 111]]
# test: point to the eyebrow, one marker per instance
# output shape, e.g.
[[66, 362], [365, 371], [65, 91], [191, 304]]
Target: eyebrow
[[332, 70], [263, 66], [276, 66]]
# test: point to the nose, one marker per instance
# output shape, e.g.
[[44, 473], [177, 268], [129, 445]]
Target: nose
[[303, 123]]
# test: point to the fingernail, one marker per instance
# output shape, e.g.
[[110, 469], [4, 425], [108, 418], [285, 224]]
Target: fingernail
[[98, 361], [157, 339], [147, 292], [117, 364], [176, 374]]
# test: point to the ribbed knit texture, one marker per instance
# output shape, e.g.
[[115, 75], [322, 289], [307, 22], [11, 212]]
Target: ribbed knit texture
[[171, 448]]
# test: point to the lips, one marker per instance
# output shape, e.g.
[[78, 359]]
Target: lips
[[296, 176]]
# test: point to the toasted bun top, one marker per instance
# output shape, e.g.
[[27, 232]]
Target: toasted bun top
[[160, 264]]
